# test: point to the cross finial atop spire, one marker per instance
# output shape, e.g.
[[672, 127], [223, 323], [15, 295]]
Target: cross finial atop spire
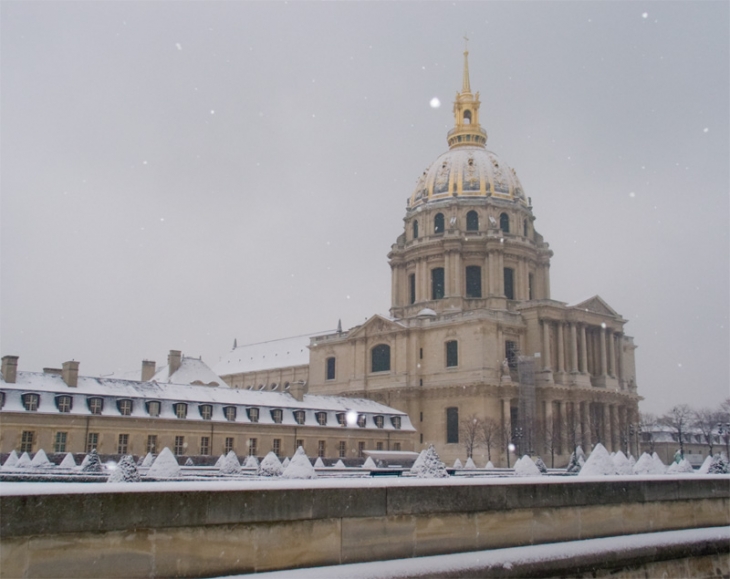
[[465, 85]]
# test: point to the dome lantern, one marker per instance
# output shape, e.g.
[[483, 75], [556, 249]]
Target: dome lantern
[[466, 131]]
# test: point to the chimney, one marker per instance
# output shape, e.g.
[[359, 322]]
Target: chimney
[[174, 359], [149, 368], [70, 373], [10, 369], [297, 390]]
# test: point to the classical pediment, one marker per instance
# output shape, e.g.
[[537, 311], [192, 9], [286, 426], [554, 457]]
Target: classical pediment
[[598, 306], [374, 326]]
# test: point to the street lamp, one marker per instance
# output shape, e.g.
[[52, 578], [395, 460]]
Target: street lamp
[[518, 435], [510, 448]]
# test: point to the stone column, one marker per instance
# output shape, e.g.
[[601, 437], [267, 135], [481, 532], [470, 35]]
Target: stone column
[[611, 354], [546, 276], [458, 274], [426, 280], [563, 425], [561, 349], [546, 345], [573, 348], [489, 287], [602, 338], [549, 430], [500, 274], [448, 276], [583, 350], [607, 430], [586, 426], [621, 360]]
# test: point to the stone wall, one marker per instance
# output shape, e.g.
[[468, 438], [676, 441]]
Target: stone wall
[[207, 531]]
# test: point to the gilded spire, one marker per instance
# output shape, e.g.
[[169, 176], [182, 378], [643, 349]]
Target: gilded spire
[[465, 85], [466, 132]]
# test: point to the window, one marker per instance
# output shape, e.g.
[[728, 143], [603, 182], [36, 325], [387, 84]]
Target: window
[[361, 420], [206, 411], [420, 353], [379, 421], [330, 370], [64, 403], [300, 442], [396, 421], [415, 229], [341, 419], [299, 416], [504, 222], [96, 405], [467, 117], [30, 402], [153, 408], [252, 446], [524, 228], [421, 438], [529, 286], [179, 445], [510, 352], [472, 221], [125, 407], [320, 448], [412, 288], [230, 413], [253, 414], [509, 283], [228, 447], [2, 399], [321, 418], [26, 441], [59, 444], [205, 445], [452, 353], [92, 441], [396, 446], [276, 448], [452, 425], [437, 283], [360, 449], [438, 223], [380, 358], [277, 415], [473, 281], [378, 446], [181, 409], [152, 443], [342, 449], [123, 444]]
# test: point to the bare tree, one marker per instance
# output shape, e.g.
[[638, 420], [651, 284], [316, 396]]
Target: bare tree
[[707, 422], [679, 419], [551, 437], [489, 434], [648, 423], [469, 431]]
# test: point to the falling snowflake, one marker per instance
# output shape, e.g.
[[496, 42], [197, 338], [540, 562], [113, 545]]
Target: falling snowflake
[[706, 130], [632, 194], [435, 103], [178, 46], [212, 112], [645, 15]]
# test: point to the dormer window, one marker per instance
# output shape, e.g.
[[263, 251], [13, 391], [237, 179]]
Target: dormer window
[[206, 411], [321, 418], [277, 415], [64, 403], [230, 413], [253, 414], [341, 419], [125, 407], [379, 421], [396, 422], [31, 401], [299, 416], [181, 409], [96, 405], [361, 420], [153, 407]]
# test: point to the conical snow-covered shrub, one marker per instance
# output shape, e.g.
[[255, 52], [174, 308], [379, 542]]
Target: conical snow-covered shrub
[[318, 463], [12, 460], [339, 464], [189, 462], [220, 461], [165, 465], [126, 471], [285, 462], [632, 460], [541, 466], [681, 467], [705, 468], [40, 460], [599, 463], [148, 460], [574, 463], [489, 465], [470, 463], [270, 465], [231, 464], [23, 461], [418, 463], [622, 464], [458, 465], [659, 464], [68, 461], [369, 463], [718, 465], [525, 467], [432, 467], [647, 465], [299, 467], [92, 463], [251, 462]]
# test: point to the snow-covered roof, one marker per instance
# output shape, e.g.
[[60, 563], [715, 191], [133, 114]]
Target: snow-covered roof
[[282, 353], [48, 386], [191, 371]]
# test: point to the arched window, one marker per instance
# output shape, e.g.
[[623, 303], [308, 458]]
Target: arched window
[[31, 401], [96, 405], [438, 223], [437, 283], [472, 221], [380, 358], [504, 222], [253, 414], [379, 421], [330, 368], [153, 407], [64, 403], [206, 411], [125, 406], [299, 416], [181, 409], [467, 117], [230, 413], [415, 229], [473, 281], [452, 425], [277, 415]]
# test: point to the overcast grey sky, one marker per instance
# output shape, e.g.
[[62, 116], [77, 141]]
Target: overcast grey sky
[[179, 174]]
